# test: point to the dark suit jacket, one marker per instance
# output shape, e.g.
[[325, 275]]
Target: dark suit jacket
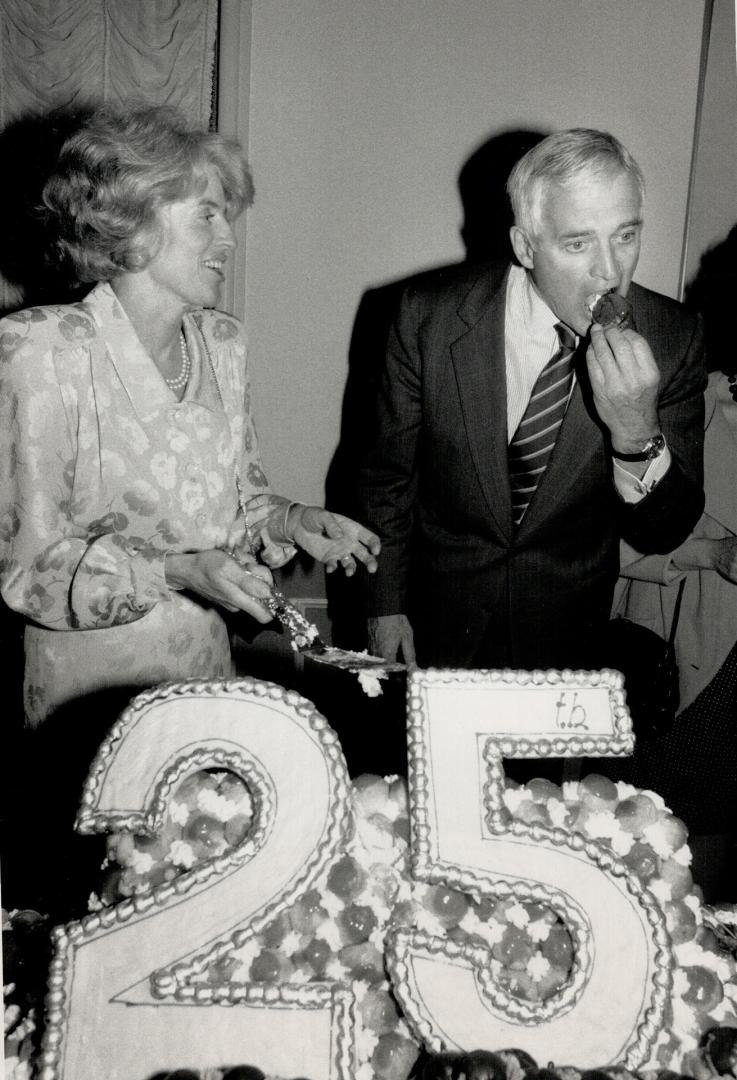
[[435, 485]]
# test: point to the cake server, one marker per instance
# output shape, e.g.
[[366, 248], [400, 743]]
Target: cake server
[[306, 640]]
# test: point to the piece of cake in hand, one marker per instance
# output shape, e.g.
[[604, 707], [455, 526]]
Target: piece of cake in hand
[[611, 309]]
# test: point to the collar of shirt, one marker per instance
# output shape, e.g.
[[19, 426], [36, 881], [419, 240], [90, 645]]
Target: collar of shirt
[[530, 339], [135, 369]]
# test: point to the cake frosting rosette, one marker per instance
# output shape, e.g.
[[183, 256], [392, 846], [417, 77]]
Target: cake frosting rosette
[[337, 929]]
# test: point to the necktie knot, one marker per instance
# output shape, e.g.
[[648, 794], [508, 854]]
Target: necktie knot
[[566, 338]]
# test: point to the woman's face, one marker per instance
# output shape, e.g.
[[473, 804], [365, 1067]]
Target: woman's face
[[189, 266]]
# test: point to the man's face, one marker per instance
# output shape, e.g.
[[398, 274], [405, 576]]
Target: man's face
[[588, 242]]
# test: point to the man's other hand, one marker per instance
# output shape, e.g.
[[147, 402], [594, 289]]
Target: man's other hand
[[390, 636]]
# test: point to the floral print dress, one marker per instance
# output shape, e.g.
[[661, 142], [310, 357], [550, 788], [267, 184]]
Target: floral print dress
[[102, 473]]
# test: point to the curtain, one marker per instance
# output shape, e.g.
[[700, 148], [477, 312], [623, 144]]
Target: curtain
[[66, 54]]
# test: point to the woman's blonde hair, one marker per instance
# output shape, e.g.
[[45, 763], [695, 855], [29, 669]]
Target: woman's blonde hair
[[117, 171]]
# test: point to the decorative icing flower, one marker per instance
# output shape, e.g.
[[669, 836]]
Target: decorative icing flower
[[181, 854], [369, 681]]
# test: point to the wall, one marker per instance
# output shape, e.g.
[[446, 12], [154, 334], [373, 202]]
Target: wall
[[361, 115], [713, 207]]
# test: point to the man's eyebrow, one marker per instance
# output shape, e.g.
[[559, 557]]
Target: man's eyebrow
[[209, 203], [580, 235], [584, 233]]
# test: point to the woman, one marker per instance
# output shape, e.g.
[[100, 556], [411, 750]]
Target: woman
[[135, 506], [694, 766]]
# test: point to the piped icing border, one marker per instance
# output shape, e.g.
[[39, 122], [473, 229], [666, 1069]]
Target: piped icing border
[[173, 982], [428, 868]]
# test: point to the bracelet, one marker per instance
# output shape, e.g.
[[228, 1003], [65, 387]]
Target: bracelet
[[289, 539], [254, 541], [237, 557]]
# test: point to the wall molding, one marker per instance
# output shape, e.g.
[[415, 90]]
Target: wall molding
[[234, 100]]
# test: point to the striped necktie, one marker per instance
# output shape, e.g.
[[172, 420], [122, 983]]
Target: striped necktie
[[534, 439]]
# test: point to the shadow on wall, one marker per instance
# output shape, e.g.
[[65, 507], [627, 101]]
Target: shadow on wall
[[712, 293], [29, 146], [28, 149], [487, 217]]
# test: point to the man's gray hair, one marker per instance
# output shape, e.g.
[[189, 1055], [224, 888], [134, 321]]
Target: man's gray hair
[[559, 159]]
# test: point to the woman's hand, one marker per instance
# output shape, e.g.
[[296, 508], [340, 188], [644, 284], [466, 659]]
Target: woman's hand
[[725, 558], [701, 553], [217, 576], [333, 539]]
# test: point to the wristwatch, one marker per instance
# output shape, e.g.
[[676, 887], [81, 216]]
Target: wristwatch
[[652, 448]]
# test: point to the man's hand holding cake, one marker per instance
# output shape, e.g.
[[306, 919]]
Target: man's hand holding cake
[[625, 382]]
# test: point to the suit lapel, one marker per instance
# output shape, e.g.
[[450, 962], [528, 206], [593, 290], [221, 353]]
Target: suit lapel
[[479, 365], [480, 369]]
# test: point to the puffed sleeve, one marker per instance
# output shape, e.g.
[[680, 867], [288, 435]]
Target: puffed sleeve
[[54, 570]]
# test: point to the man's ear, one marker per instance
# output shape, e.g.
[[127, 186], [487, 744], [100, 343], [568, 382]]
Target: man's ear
[[522, 247]]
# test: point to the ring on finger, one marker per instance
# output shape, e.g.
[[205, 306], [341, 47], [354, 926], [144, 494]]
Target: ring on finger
[[237, 556]]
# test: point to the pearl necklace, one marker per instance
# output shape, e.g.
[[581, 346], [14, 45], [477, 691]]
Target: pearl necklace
[[732, 384], [182, 378]]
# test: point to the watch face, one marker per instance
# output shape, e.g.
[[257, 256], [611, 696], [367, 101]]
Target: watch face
[[654, 446]]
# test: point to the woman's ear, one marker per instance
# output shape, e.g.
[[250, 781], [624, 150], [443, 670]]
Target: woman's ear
[[137, 259], [522, 247]]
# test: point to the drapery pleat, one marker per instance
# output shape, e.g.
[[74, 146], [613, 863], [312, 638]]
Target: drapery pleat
[[58, 53], [68, 54]]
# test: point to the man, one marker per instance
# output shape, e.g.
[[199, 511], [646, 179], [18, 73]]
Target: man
[[483, 566]]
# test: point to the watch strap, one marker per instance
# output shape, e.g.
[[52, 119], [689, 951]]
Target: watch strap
[[650, 450]]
